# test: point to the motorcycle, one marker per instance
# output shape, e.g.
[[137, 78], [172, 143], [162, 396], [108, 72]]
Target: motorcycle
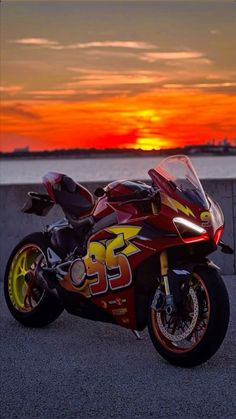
[[135, 256]]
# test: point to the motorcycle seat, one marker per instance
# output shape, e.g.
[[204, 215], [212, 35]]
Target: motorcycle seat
[[74, 199]]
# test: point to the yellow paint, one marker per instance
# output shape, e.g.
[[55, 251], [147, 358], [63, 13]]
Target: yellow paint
[[205, 218], [164, 263], [127, 232], [103, 256], [18, 285], [21, 263], [96, 250], [95, 268], [119, 311], [176, 205], [111, 257]]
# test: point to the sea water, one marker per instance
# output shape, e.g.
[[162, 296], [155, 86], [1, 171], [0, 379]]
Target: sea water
[[17, 171]]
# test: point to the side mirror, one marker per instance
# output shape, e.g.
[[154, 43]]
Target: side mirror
[[99, 192]]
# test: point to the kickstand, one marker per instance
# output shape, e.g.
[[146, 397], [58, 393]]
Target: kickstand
[[136, 333]]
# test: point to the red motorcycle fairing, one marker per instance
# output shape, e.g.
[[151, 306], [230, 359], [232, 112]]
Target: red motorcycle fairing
[[74, 199], [114, 255], [124, 210], [110, 261], [140, 232], [50, 179], [175, 205]]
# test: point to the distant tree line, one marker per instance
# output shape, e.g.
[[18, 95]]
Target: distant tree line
[[227, 149]]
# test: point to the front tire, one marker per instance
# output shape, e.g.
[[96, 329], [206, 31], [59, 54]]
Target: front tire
[[192, 337], [28, 303]]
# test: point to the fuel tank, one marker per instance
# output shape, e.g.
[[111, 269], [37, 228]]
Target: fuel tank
[[125, 187]]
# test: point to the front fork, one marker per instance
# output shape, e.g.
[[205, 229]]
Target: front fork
[[164, 271], [169, 301], [163, 301]]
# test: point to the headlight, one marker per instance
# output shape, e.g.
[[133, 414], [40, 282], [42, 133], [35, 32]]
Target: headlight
[[77, 272], [186, 228]]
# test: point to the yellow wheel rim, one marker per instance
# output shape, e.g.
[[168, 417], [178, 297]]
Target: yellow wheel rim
[[25, 296]]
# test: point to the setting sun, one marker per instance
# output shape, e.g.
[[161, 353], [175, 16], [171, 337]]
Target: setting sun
[[147, 144]]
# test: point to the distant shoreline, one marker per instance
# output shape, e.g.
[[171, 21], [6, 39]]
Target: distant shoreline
[[110, 156], [201, 151]]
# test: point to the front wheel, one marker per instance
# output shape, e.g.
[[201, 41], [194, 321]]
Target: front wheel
[[28, 303], [193, 334]]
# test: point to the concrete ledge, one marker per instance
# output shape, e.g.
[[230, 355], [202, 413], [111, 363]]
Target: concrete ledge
[[14, 225]]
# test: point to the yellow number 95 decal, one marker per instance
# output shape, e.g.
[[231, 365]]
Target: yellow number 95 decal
[[107, 264]]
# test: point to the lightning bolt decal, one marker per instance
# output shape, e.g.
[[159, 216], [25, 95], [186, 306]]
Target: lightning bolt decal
[[176, 205], [127, 232]]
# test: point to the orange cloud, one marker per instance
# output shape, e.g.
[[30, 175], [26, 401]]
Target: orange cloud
[[151, 57], [11, 90], [113, 79], [211, 85], [149, 120], [60, 92], [84, 45], [35, 41], [113, 44]]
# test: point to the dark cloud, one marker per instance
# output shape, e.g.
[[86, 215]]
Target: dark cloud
[[19, 110]]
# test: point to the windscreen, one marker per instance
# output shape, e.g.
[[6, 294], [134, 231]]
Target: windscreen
[[180, 173]]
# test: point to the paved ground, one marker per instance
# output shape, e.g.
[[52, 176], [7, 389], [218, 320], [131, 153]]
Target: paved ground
[[76, 369]]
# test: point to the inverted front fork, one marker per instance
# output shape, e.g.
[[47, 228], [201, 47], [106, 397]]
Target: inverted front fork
[[169, 302], [164, 271]]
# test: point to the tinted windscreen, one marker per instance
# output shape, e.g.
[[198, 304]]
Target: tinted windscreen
[[179, 171]]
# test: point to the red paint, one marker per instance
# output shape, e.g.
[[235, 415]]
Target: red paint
[[110, 277]]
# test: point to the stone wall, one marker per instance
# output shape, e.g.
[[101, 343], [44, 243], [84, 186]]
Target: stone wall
[[15, 224]]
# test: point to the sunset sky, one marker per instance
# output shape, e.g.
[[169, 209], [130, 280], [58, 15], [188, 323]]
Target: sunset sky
[[137, 74]]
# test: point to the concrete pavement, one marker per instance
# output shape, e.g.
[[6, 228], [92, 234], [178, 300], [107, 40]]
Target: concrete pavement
[[76, 368]]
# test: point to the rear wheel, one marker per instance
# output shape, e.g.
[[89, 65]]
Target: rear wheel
[[193, 334], [28, 303]]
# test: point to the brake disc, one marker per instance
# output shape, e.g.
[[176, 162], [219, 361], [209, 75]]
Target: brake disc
[[191, 326]]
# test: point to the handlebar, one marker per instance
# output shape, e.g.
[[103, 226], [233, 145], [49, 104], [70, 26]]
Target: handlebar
[[141, 195], [123, 198], [136, 196]]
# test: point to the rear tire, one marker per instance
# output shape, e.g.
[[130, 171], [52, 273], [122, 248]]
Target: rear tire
[[207, 322], [29, 304]]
